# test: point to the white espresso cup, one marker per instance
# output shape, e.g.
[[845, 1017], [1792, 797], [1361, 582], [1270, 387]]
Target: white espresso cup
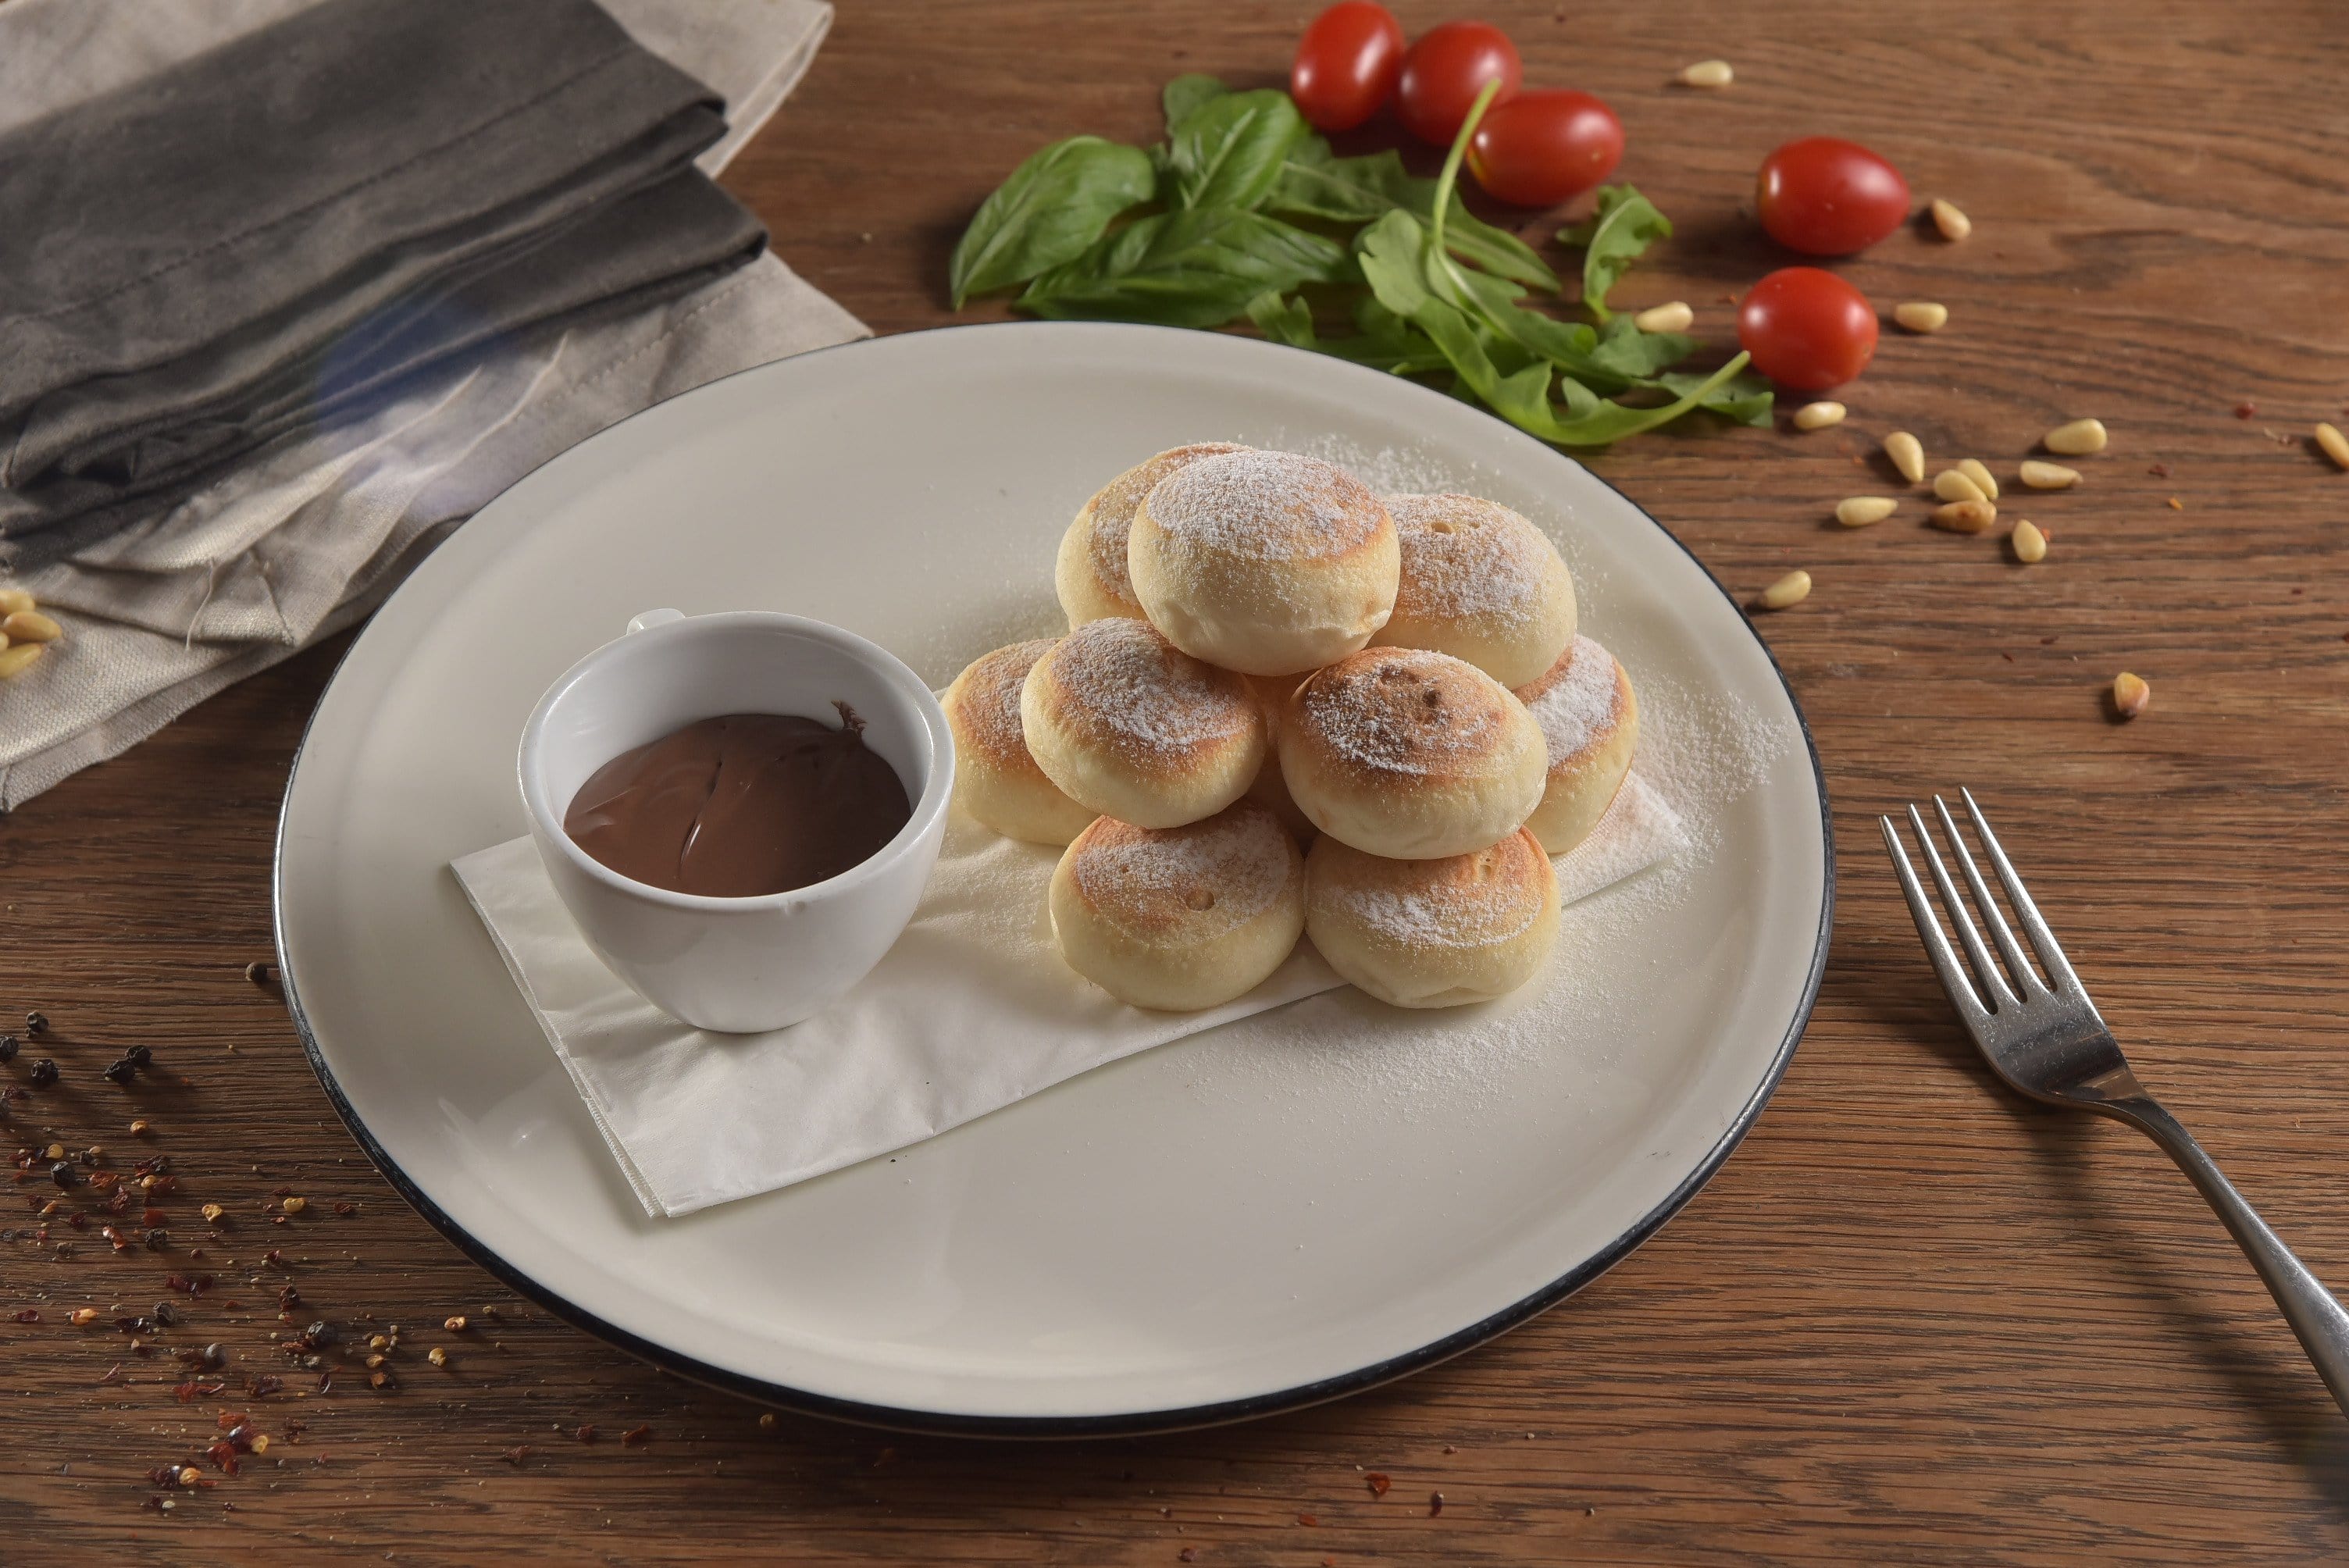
[[736, 964]]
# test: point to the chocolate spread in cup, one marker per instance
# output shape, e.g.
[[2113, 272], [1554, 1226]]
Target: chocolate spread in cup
[[746, 804]]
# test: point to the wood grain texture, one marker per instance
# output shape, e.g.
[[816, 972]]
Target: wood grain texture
[[1913, 1320]]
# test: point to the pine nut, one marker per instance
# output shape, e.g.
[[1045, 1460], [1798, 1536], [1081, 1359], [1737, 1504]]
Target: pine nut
[[1956, 484], [1859, 511], [1708, 74], [2076, 439], [2030, 544], [1978, 471], [15, 661], [31, 626], [1787, 592], [1907, 455], [2336, 444], [2130, 695], [13, 600], [2037, 475], [1965, 516], [1819, 415], [1922, 315], [1953, 224], [1674, 317]]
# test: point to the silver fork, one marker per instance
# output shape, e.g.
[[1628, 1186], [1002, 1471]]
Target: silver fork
[[2046, 1038]]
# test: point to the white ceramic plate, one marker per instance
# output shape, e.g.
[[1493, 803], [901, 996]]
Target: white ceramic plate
[[1194, 1235]]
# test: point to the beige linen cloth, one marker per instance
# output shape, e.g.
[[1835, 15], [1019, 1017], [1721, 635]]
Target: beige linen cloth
[[309, 534]]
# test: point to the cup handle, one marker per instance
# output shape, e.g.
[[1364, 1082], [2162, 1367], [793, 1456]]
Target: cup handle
[[653, 618]]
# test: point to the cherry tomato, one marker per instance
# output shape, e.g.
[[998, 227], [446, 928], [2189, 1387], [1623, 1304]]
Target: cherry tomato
[[1347, 65], [1806, 329], [1540, 147], [1445, 70], [1825, 197]]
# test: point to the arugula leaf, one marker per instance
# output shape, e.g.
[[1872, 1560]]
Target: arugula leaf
[[1184, 94], [1054, 207], [1198, 267], [1620, 229], [1744, 397], [1229, 149], [1624, 349], [1314, 183], [1384, 343]]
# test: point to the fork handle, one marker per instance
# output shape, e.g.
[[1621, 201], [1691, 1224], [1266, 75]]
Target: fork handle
[[2315, 1313]]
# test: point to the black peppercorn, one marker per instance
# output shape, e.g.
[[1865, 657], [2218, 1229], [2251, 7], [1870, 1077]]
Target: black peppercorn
[[62, 1173], [8, 1048], [36, 1023], [158, 1240], [139, 1057], [122, 1072], [166, 1314], [257, 972], [213, 1356], [45, 1073]]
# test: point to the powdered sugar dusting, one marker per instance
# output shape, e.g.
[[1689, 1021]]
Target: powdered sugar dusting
[[1462, 901], [1208, 876], [1466, 556], [1128, 685], [1265, 505], [1577, 703], [1403, 710], [1114, 504], [988, 702]]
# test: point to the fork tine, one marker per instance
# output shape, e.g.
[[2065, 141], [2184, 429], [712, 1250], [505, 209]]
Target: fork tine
[[2051, 952], [2018, 966], [1937, 946], [1985, 966]]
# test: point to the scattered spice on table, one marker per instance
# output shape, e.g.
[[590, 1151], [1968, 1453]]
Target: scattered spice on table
[[1380, 1483]]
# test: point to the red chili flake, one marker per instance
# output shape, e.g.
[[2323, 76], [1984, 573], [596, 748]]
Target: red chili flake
[[635, 1435], [228, 1418], [1308, 1520], [180, 1281], [185, 1393], [113, 1375], [346, 1209], [163, 1475], [2245, 410], [80, 1221], [104, 1181], [2160, 470], [586, 1434], [2007, 656], [514, 1456], [266, 1384], [281, 1192], [288, 1298], [296, 1427], [121, 1242], [30, 1315], [1188, 1554], [223, 1455], [1380, 1483], [1434, 1504], [162, 1186], [885, 1457], [151, 1216], [120, 1203], [273, 1258]]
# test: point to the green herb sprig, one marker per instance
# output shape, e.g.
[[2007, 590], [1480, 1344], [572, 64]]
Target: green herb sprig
[[1231, 219]]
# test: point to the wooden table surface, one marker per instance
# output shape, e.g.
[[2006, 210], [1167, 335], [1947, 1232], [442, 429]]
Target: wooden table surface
[[1912, 1320]]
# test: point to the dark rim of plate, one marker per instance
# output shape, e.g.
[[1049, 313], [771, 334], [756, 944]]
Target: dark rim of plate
[[1134, 1423]]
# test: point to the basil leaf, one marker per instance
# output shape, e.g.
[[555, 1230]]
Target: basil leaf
[[1619, 230], [1229, 150], [1314, 183], [1185, 94], [1384, 343], [1199, 267], [1054, 205]]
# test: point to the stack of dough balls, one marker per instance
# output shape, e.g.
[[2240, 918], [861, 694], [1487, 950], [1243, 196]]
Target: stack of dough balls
[[1265, 655]]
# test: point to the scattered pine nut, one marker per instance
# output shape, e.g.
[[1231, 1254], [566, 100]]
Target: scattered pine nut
[[83, 1317], [1921, 314], [1956, 484], [2030, 544], [1708, 74], [2330, 439], [139, 1127], [2176, 505], [15, 661], [30, 626], [2047, 476], [1674, 317], [1787, 592], [454, 1325], [1819, 415], [1965, 516], [2130, 695], [295, 1205], [438, 1357], [1859, 511], [1907, 455], [2076, 439], [1978, 471], [13, 600], [1952, 223]]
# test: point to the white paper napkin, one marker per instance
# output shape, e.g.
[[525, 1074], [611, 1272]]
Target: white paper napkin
[[971, 1010]]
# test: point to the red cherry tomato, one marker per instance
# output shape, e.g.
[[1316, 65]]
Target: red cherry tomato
[[1825, 197], [1445, 70], [1540, 147], [1806, 329], [1347, 65]]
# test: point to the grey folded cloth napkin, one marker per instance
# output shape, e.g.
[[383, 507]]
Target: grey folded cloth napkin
[[207, 582], [192, 267]]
